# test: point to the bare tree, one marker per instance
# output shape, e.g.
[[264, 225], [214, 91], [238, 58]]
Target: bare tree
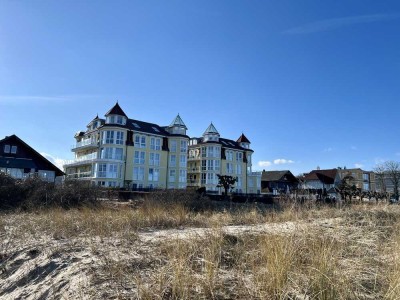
[[392, 169], [380, 171]]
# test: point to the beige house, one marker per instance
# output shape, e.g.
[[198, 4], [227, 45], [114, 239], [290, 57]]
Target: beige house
[[364, 180], [211, 155], [122, 152]]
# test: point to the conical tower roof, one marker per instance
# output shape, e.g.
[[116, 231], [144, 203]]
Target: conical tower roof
[[243, 139], [211, 130], [178, 122], [116, 110]]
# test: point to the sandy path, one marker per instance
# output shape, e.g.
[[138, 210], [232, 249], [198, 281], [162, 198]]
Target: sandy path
[[62, 268]]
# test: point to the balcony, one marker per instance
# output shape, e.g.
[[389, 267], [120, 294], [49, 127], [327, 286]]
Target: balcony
[[192, 158], [91, 158], [193, 169], [192, 182], [80, 175], [85, 145]]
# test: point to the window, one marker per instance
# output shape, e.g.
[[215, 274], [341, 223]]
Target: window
[[139, 157], [154, 174], [172, 160], [120, 120], [172, 175], [239, 156], [365, 175], [211, 178], [135, 125], [184, 146], [102, 170], [106, 153], [203, 151], [210, 165], [13, 149], [118, 153], [6, 148], [140, 141], [204, 165], [108, 137], [138, 173], [112, 170], [229, 155], [182, 175], [229, 168], [216, 166], [173, 146], [203, 178], [154, 159], [155, 144], [182, 161], [120, 138], [238, 169], [111, 153], [155, 129]]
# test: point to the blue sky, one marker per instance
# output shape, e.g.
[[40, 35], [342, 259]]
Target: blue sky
[[310, 83]]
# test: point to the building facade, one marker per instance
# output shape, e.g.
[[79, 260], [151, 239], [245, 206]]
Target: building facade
[[122, 152], [20, 161], [363, 180], [212, 155]]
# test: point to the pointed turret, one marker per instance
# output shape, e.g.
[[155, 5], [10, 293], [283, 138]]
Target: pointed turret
[[178, 122], [211, 134], [94, 123], [243, 141], [116, 115], [177, 126], [116, 110]]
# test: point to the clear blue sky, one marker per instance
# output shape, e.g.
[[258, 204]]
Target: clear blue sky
[[310, 83]]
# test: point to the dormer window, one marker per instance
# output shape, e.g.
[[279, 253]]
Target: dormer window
[[113, 119]]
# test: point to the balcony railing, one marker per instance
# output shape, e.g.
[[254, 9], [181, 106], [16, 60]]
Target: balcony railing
[[254, 173], [80, 175], [193, 170], [88, 143], [83, 159]]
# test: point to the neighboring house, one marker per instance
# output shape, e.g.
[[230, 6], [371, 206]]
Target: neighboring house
[[384, 183], [321, 179], [121, 152], [212, 155], [278, 181], [20, 160], [364, 180]]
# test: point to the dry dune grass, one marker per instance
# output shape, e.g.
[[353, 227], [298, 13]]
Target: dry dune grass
[[326, 253]]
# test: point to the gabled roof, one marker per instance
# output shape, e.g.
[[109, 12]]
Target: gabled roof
[[116, 110], [284, 175], [325, 176], [211, 129], [243, 139], [36, 159], [178, 122]]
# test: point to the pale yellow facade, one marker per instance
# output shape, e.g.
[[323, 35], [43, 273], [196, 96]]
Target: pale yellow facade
[[125, 153]]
